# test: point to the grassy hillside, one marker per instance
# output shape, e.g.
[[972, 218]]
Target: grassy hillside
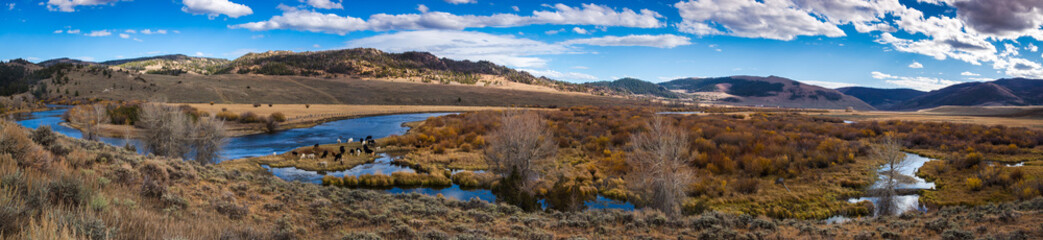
[[171, 64], [253, 88], [635, 86], [372, 63], [768, 91]]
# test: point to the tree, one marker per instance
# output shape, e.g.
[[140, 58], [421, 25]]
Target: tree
[[171, 132], [659, 160], [518, 152], [888, 150], [90, 118]]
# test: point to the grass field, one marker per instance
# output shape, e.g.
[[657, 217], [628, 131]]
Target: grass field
[[952, 117]]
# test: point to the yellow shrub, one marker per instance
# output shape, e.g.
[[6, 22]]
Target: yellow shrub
[[974, 183]]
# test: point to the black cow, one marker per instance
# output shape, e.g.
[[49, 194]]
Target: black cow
[[324, 154], [341, 149]]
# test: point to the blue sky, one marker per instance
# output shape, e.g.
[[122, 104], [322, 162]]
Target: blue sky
[[921, 44]]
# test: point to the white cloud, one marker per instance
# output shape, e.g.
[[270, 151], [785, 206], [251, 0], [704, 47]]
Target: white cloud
[[572, 76], [70, 5], [501, 49], [324, 4], [124, 35], [1032, 47], [970, 74], [98, 33], [772, 19], [130, 31], [461, 1], [86, 58], [552, 32], [422, 8], [72, 31], [10, 6], [579, 30], [580, 67], [560, 14], [828, 84], [150, 32], [918, 83], [58, 31], [515, 8], [200, 54], [659, 41], [258, 36], [915, 65], [315, 46], [214, 8]]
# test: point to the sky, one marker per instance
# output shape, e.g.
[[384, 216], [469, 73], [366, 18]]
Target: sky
[[919, 44]]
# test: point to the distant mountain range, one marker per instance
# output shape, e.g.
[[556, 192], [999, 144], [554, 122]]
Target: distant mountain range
[[366, 63], [882, 99]]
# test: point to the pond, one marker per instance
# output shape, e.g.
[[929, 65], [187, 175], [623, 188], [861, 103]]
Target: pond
[[903, 203], [283, 141]]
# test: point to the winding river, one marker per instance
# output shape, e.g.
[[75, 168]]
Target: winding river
[[282, 141]]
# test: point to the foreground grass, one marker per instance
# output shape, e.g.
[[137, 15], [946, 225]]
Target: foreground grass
[[71, 188]]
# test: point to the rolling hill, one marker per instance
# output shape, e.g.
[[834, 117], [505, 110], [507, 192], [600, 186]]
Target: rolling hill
[[882, 99], [635, 86], [170, 64], [1003, 92], [765, 91]]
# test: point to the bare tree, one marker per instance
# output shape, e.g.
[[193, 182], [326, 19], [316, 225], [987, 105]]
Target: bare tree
[[90, 118], [889, 150], [659, 160], [521, 147], [208, 139]]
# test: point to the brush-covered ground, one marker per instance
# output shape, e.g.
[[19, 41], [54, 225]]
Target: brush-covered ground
[[53, 187]]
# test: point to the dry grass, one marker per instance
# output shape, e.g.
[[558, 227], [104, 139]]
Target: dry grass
[[287, 159], [951, 117]]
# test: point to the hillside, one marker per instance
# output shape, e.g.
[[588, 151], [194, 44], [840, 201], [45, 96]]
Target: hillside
[[55, 61], [883, 99], [372, 63], [170, 64], [635, 86], [1003, 92], [101, 83], [765, 91]]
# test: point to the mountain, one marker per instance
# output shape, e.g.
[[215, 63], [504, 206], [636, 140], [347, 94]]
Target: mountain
[[883, 99], [55, 61], [373, 63], [170, 64], [635, 86], [765, 91], [1003, 92]]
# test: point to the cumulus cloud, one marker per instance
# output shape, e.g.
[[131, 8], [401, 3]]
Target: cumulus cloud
[[560, 14], [1002, 18], [1032, 47], [70, 5], [918, 83], [214, 8], [324, 4], [970, 74], [579, 30], [98, 33], [659, 41], [124, 36], [10, 6], [150, 32], [422, 8], [515, 8], [572, 76], [772, 19], [501, 49], [57, 31], [72, 31], [915, 65], [461, 1]]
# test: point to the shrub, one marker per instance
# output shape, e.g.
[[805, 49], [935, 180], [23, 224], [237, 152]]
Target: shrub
[[68, 190], [99, 203], [227, 116], [747, 185], [234, 212], [278, 117], [974, 183], [257, 105], [372, 180], [957, 234], [44, 136], [249, 117]]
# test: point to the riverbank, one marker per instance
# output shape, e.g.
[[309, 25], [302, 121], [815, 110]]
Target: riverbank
[[318, 163], [297, 115]]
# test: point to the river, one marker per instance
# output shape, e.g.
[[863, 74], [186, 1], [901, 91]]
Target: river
[[283, 141]]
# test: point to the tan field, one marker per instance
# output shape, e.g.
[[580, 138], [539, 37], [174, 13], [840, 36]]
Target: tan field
[[937, 116]]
